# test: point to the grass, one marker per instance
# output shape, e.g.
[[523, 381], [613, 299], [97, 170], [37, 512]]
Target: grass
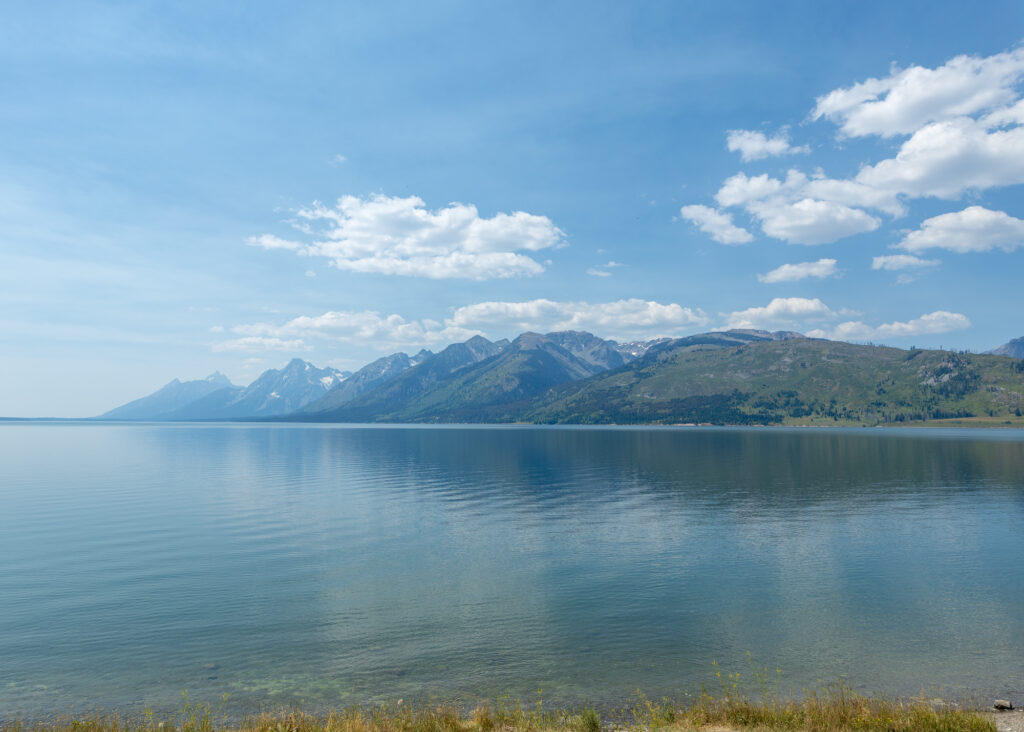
[[829, 709]]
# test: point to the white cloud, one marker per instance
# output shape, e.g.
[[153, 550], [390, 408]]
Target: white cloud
[[800, 210], [366, 327], [400, 236], [740, 189], [853, 193], [339, 159], [941, 321], [598, 272], [780, 312], [810, 221], [261, 343], [719, 225], [795, 272], [975, 229], [947, 158], [633, 318], [753, 145], [894, 262], [908, 99], [963, 130]]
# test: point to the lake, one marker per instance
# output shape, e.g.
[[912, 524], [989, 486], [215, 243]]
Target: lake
[[337, 564]]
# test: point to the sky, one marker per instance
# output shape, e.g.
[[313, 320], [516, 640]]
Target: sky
[[194, 187]]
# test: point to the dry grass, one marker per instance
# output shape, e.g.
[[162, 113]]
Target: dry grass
[[831, 709]]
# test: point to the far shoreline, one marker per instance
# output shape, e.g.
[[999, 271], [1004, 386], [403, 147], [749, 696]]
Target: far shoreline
[[961, 425]]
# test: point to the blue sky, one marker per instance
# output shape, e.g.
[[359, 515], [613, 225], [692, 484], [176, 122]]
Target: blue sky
[[205, 187]]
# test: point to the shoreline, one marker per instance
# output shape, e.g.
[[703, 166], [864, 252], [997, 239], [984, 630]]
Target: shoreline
[[831, 708], [961, 423]]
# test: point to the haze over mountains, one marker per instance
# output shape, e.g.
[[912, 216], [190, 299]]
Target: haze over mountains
[[302, 389], [275, 392], [172, 397], [731, 377]]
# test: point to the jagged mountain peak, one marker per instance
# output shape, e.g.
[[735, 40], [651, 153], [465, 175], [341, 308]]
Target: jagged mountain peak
[[422, 356], [218, 378], [1013, 348]]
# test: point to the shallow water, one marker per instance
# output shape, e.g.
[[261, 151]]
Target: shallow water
[[338, 565]]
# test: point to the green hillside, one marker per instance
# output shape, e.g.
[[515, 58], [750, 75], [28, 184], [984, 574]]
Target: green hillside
[[793, 381]]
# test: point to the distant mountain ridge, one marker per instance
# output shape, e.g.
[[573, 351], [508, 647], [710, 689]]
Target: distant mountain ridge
[[172, 397], [373, 374], [720, 377], [1013, 348], [276, 392], [404, 387], [391, 385], [479, 377]]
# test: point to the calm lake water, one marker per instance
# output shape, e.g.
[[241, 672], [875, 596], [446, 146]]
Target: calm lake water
[[337, 564]]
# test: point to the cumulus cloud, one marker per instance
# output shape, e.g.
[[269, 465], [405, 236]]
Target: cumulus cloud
[[400, 236], [634, 318], [631, 318], [962, 125], [975, 229], [782, 312], [741, 189], [852, 193], [940, 321], [947, 158], [801, 210], [365, 327], [795, 272], [894, 262], [810, 221], [719, 225], [753, 145], [910, 98]]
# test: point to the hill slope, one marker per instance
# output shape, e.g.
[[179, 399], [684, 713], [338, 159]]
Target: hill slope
[[794, 380], [394, 396], [494, 389], [368, 377]]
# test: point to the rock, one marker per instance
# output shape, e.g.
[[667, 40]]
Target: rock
[[1001, 705]]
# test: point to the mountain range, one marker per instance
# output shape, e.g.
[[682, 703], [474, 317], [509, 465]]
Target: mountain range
[[276, 392], [172, 397], [479, 380], [731, 377]]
